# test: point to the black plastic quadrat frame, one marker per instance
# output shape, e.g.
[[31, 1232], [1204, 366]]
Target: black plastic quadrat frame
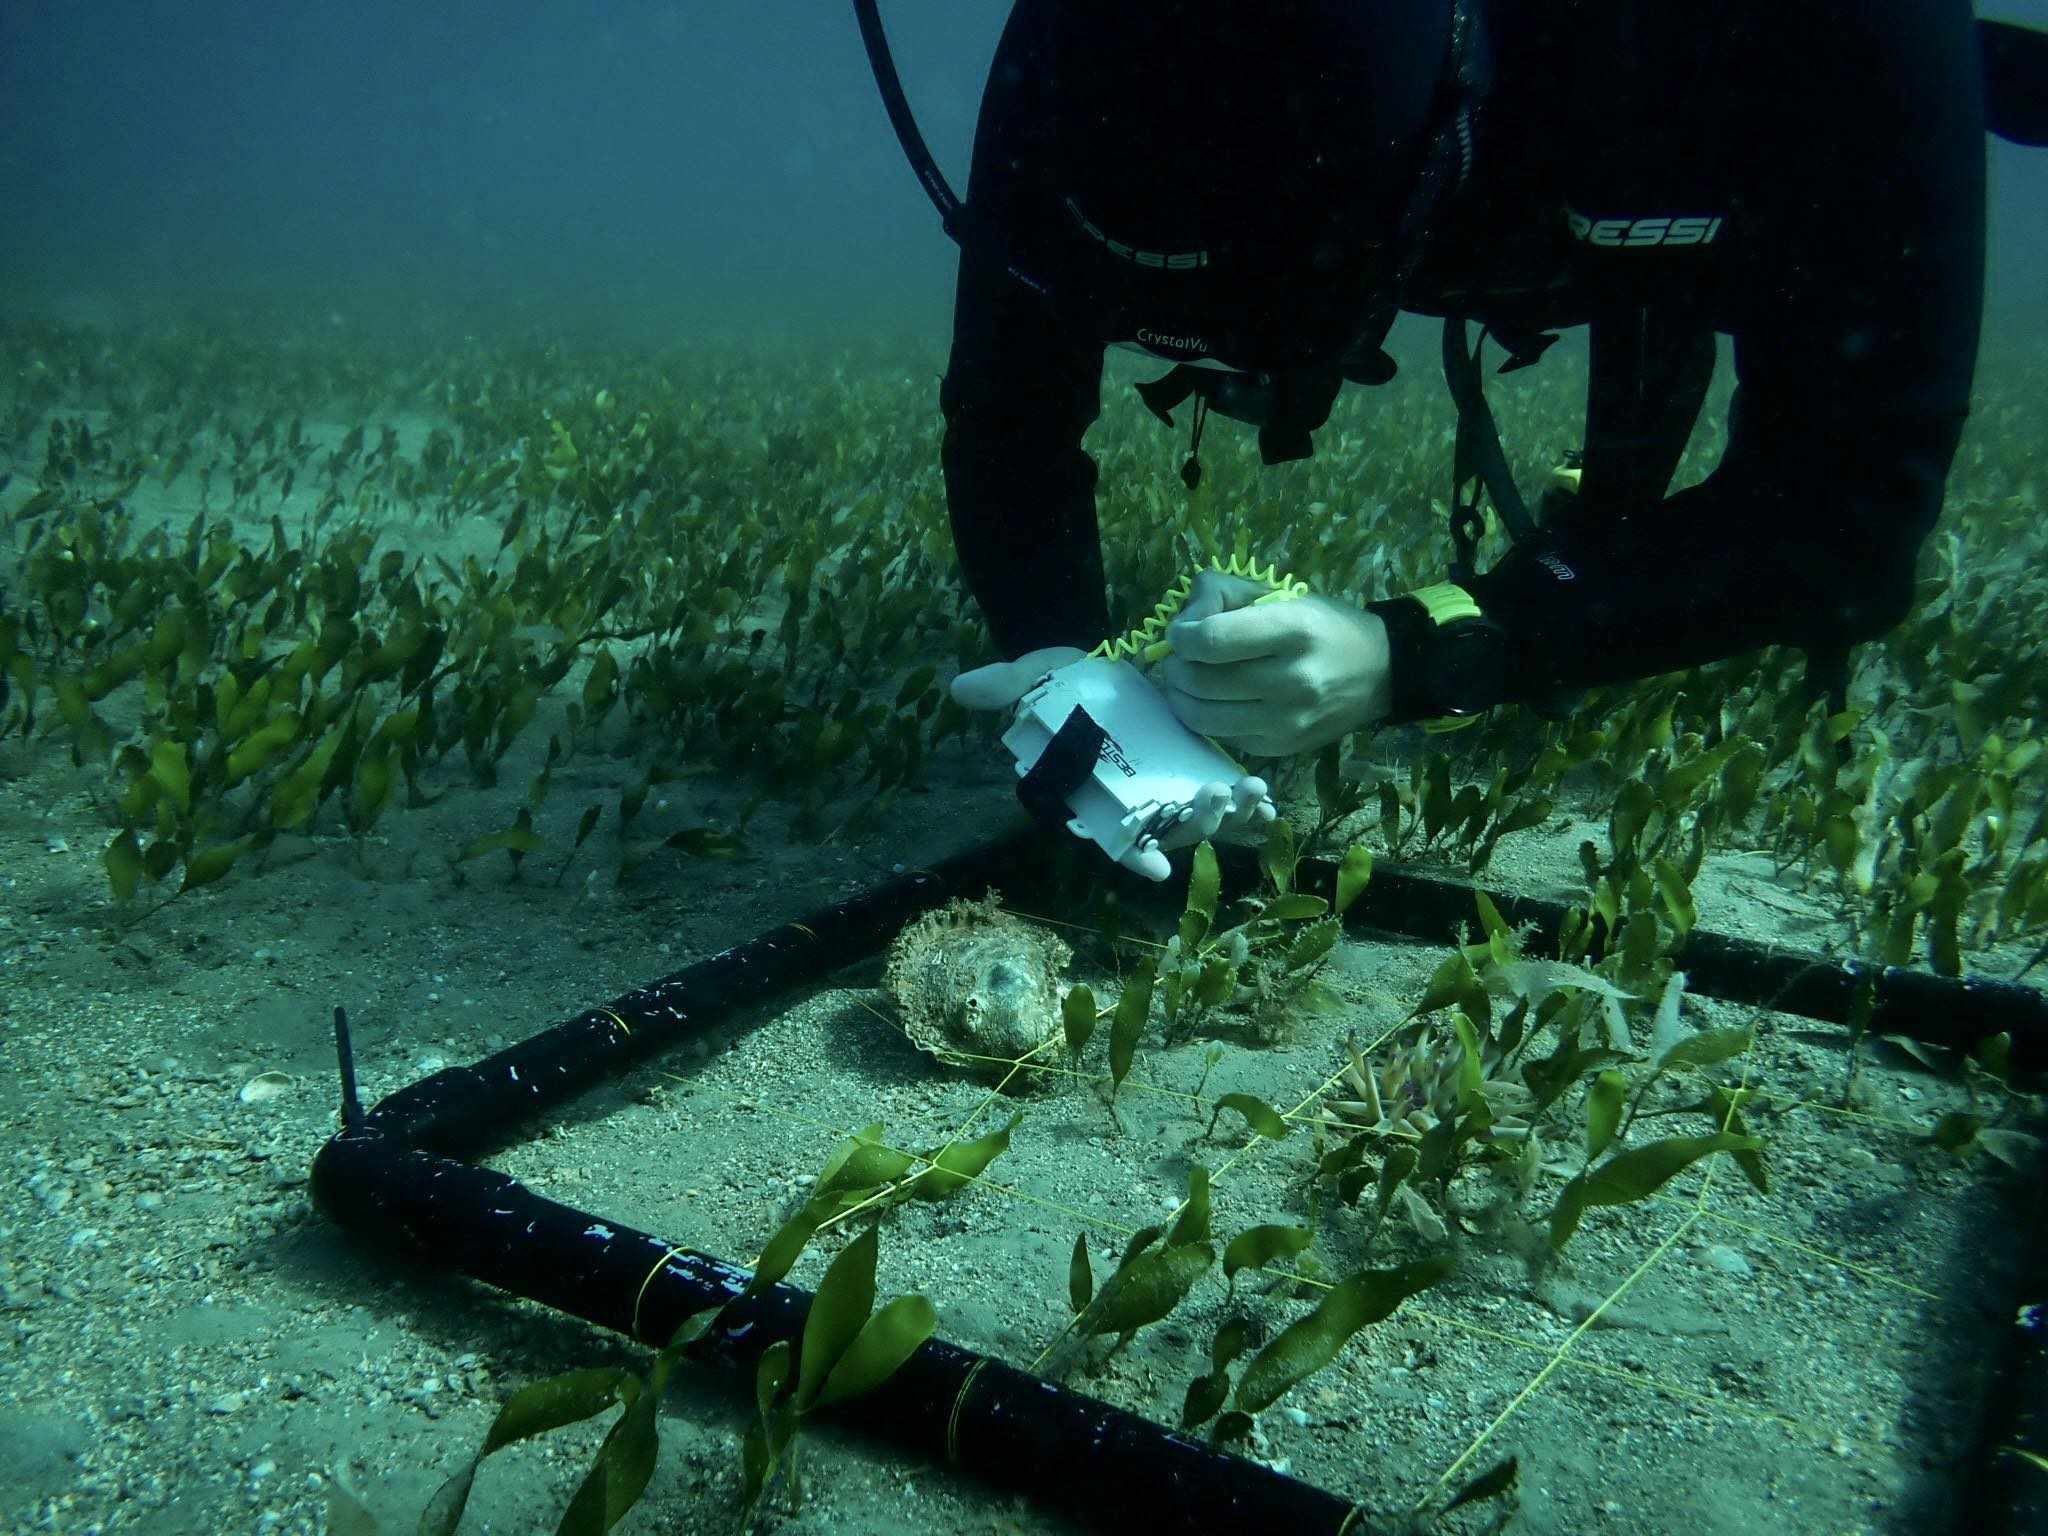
[[399, 1176]]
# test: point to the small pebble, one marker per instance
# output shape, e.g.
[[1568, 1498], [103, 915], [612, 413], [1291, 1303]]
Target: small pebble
[[264, 1087], [1727, 1260]]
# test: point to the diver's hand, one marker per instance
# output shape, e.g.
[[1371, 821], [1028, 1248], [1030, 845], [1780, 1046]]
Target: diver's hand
[[1231, 812], [1278, 678]]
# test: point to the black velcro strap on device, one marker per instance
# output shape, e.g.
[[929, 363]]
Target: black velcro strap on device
[[1063, 767]]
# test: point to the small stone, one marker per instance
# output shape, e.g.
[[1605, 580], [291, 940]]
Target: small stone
[[225, 1404], [265, 1086], [1727, 1260]]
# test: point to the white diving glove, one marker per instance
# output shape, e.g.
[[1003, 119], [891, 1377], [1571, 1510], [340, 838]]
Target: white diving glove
[[1227, 810]]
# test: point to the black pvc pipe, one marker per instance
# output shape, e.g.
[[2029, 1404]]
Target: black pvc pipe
[[398, 1179], [1102, 1466], [1936, 1010]]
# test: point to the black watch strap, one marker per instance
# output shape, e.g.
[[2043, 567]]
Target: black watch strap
[[1447, 661]]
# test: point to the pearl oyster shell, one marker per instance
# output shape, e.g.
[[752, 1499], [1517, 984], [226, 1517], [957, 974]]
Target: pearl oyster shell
[[970, 981]]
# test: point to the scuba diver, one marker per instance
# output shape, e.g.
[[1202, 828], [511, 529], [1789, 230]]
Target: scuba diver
[[1251, 192]]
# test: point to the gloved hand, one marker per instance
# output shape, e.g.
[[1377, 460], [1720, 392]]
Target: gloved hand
[[1227, 812], [1280, 678]]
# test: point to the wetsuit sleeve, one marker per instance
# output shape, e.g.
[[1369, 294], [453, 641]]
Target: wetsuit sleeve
[[1855, 343], [1019, 394]]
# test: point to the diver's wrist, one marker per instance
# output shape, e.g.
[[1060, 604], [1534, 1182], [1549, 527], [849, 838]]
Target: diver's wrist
[[1379, 699], [1443, 659], [1404, 626]]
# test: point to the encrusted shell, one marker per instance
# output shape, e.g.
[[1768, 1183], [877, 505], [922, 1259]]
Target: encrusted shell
[[974, 986]]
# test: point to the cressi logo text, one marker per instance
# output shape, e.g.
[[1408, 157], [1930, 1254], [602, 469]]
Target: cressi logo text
[[1696, 229], [1113, 753]]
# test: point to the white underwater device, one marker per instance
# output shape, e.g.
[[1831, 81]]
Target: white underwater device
[[1096, 735]]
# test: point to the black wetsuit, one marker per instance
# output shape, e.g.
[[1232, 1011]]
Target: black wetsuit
[[1808, 178]]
